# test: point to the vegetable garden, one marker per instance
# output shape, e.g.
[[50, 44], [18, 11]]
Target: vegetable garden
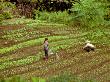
[[22, 53]]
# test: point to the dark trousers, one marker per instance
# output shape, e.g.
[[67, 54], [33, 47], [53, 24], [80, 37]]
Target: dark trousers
[[46, 53], [88, 49]]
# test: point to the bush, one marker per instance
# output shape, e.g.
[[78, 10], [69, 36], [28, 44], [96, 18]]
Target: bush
[[55, 17], [7, 15], [6, 9], [1, 17], [90, 13]]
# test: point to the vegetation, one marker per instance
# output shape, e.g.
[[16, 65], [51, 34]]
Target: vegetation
[[90, 13], [65, 77], [55, 17], [6, 9], [67, 26]]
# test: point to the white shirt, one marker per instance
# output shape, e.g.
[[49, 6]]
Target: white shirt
[[89, 45], [46, 45]]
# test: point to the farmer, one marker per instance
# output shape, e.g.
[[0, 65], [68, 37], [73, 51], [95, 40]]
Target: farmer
[[46, 48], [89, 47]]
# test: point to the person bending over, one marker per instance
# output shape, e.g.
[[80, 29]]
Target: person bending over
[[89, 47]]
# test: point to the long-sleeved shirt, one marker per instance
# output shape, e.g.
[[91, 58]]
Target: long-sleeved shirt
[[46, 45]]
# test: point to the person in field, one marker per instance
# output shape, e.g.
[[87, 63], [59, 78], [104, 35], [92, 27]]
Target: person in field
[[46, 48], [89, 47]]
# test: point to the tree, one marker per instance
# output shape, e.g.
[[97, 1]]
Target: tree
[[90, 13]]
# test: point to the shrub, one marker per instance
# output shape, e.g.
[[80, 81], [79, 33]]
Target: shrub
[[90, 13], [6, 9], [55, 17], [1, 17], [7, 15]]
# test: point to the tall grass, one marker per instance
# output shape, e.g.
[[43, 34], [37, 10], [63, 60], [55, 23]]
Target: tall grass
[[56, 17]]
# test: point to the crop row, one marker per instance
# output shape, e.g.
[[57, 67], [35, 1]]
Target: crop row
[[54, 46], [78, 57], [22, 37], [30, 43], [38, 42], [29, 59], [77, 65], [17, 21], [25, 35]]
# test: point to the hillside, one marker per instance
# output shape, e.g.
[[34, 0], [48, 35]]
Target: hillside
[[22, 53]]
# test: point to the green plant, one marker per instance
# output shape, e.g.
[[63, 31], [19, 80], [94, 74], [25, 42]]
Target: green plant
[[67, 77], [89, 13], [7, 15], [6, 9], [55, 17], [29, 43], [22, 79], [62, 45], [35, 79], [1, 18]]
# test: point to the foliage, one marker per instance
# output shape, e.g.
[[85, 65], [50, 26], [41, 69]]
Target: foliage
[[6, 9], [29, 43], [6, 6], [56, 17], [1, 17], [16, 21], [67, 77], [90, 13], [22, 79], [64, 77], [7, 15], [37, 57]]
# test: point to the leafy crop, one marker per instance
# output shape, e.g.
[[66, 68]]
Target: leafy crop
[[29, 43], [63, 45]]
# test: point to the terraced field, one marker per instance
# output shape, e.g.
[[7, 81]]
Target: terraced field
[[21, 52]]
